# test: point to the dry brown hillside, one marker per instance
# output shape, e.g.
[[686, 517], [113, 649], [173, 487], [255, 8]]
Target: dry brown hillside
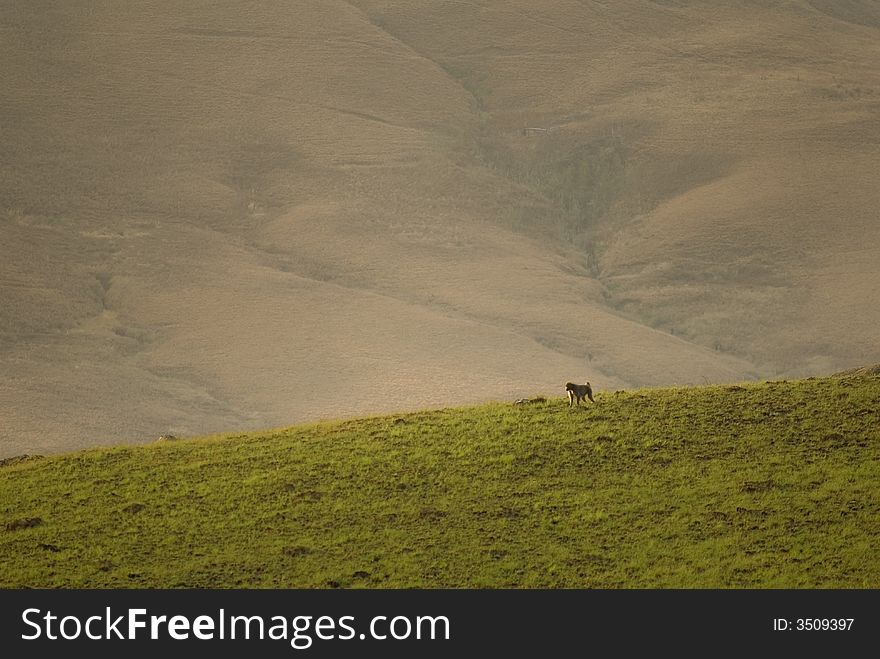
[[222, 216]]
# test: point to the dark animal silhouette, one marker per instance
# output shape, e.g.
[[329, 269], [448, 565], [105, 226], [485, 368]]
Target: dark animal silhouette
[[578, 392]]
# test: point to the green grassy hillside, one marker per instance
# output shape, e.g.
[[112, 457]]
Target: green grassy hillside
[[756, 485]]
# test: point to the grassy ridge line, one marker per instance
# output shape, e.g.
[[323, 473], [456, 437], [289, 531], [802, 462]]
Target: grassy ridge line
[[761, 485]]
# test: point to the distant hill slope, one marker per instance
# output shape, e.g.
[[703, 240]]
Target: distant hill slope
[[754, 485], [715, 162], [243, 215], [863, 371]]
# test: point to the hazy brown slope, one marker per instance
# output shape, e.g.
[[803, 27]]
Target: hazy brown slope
[[227, 217], [718, 160]]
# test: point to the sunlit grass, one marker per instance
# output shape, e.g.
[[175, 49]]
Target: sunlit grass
[[755, 485]]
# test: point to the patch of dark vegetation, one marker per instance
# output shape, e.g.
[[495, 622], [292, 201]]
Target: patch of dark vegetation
[[133, 508], [26, 523], [505, 512], [751, 512], [853, 506], [590, 559], [431, 514], [861, 372], [305, 495], [757, 486], [19, 459]]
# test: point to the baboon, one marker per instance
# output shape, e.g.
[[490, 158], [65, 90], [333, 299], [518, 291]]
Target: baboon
[[579, 392]]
